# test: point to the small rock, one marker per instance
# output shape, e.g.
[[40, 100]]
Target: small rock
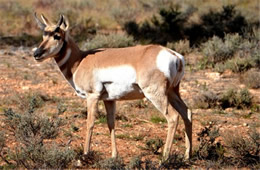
[[245, 124], [215, 76], [227, 74], [78, 163], [25, 88], [229, 109]]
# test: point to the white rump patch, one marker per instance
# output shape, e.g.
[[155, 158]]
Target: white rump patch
[[167, 63]]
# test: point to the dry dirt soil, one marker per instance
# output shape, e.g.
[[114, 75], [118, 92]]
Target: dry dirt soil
[[21, 75]]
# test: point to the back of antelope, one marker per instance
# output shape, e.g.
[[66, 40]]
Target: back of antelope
[[112, 74]]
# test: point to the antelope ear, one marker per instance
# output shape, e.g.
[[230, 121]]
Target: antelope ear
[[65, 24], [39, 22], [45, 20]]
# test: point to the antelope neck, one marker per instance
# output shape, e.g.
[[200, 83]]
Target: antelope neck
[[68, 59]]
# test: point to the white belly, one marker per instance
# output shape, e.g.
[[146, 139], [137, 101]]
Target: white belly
[[117, 83], [117, 91], [113, 83]]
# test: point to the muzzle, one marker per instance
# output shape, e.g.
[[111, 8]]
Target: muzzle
[[38, 53]]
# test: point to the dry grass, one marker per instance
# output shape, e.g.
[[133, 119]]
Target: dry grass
[[140, 129], [16, 15]]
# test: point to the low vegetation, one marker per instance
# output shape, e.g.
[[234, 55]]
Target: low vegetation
[[219, 38], [236, 150], [154, 145], [245, 150], [110, 163], [209, 148], [251, 79], [173, 25], [109, 41], [240, 99], [234, 53], [30, 131], [205, 100], [158, 119]]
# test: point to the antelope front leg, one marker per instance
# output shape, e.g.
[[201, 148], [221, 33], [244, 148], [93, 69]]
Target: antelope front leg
[[92, 102]]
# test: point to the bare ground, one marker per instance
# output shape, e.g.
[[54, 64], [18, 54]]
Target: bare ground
[[20, 74]]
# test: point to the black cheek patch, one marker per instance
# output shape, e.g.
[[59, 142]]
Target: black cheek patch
[[56, 37]]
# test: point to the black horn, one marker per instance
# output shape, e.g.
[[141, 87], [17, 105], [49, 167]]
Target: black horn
[[39, 23], [60, 21]]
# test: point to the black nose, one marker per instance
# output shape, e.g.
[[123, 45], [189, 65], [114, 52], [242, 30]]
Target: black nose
[[38, 53]]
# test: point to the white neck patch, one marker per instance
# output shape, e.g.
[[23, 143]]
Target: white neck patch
[[65, 59]]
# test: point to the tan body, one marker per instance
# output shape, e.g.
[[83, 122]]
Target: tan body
[[140, 58], [150, 71]]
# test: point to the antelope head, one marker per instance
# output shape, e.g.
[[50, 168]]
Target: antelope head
[[54, 37]]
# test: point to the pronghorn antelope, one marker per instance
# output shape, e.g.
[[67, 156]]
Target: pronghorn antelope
[[112, 74]]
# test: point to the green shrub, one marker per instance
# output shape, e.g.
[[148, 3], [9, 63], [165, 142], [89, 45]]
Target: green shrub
[[109, 41], [217, 23], [237, 150], [251, 78], [158, 119], [102, 119], [173, 25], [238, 99], [217, 50], [90, 159], [130, 137], [135, 163], [154, 145], [206, 100], [124, 14], [42, 156], [127, 125], [31, 130], [23, 39], [236, 65], [234, 52], [26, 100], [208, 148], [175, 161], [3, 149], [166, 28], [228, 20], [182, 46], [245, 151], [111, 163]]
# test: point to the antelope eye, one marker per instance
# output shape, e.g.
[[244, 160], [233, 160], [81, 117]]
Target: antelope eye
[[56, 37]]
